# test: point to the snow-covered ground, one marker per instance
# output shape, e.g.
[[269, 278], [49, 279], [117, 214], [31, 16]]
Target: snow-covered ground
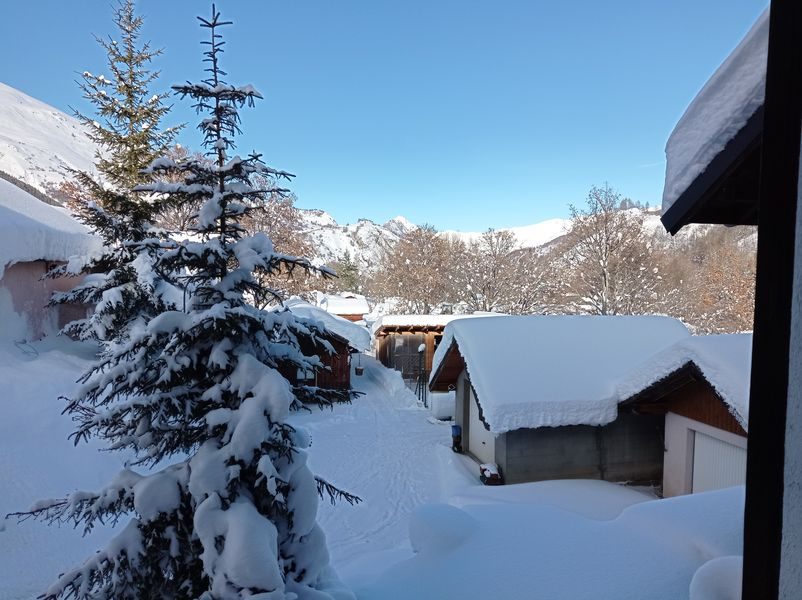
[[425, 528], [38, 461]]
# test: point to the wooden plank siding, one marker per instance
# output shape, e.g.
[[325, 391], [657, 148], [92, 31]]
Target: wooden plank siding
[[385, 343], [694, 399], [339, 375]]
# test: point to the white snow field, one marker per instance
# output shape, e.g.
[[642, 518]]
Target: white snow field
[[426, 529], [37, 461]]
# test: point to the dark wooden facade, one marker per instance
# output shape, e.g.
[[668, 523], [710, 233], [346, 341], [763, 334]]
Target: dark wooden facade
[[688, 394], [397, 348], [336, 373], [353, 318]]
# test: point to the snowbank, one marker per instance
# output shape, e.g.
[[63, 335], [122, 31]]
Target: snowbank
[[38, 461], [32, 230], [719, 111], [724, 360], [650, 552], [590, 498], [718, 579], [548, 371]]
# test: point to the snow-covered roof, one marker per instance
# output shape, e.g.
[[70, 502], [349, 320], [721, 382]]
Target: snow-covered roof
[[725, 361], [357, 336], [32, 230], [549, 371], [421, 320], [344, 303], [719, 111]]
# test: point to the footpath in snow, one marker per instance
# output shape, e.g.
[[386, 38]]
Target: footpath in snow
[[390, 453]]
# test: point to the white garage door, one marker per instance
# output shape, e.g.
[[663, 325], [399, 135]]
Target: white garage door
[[716, 464], [481, 443]]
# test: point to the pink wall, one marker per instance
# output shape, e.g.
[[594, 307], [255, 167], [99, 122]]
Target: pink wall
[[30, 295]]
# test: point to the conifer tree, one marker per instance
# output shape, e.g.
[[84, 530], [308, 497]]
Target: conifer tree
[[126, 128], [235, 516]]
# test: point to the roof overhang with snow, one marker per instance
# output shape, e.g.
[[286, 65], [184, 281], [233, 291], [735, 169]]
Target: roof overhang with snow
[[351, 334], [344, 303], [418, 323], [31, 230], [724, 362], [548, 371], [713, 154]]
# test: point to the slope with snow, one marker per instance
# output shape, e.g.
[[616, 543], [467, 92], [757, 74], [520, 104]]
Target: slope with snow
[[39, 143], [528, 236]]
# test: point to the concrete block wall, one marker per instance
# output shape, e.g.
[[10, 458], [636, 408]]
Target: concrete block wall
[[629, 449]]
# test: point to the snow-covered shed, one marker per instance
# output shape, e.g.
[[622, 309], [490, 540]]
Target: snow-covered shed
[[347, 305], [537, 394], [346, 337], [701, 385], [33, 237], [407, 343]]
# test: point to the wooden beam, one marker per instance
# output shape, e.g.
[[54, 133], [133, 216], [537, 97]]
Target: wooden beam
[[779, 188]]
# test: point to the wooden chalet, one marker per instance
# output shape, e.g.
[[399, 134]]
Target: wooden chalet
[[347, 339], [754, 176], [336, 371], [407, 343]]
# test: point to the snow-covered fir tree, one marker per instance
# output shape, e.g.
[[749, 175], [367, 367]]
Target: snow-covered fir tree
[[210, 388], [126, 128]]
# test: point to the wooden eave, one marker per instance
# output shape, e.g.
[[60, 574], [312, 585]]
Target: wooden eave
[[651, 400], [726, 192], [385, 330], [448, 370]]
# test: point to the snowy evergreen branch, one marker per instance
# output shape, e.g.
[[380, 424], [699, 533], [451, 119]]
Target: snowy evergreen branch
[[326, 489]]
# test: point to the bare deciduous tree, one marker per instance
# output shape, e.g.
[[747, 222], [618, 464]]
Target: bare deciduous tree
[[417, 272], [612, 267]]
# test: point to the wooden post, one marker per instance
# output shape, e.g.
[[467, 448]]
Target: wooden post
[[766, 461]]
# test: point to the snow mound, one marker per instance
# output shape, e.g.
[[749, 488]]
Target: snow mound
[[439, 528], [718, 579], [718, 112], [594, 499], [651, 552]]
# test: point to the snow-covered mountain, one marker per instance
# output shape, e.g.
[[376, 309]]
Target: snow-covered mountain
[[528, 236], [38, 143], [363, 241], [366, 241]]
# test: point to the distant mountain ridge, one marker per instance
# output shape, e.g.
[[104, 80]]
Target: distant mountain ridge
[[365, 241]]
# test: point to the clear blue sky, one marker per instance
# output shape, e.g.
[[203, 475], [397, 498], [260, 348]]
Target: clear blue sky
[[458, 113]]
